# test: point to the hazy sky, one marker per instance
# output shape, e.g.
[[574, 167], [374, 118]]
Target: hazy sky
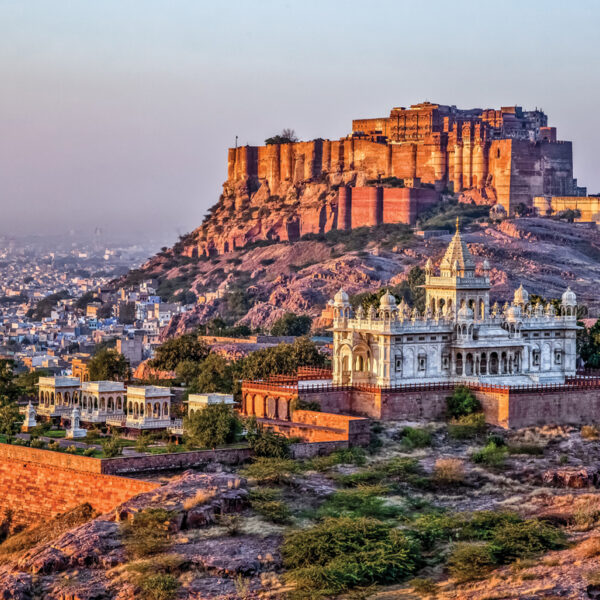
[[119, 113]]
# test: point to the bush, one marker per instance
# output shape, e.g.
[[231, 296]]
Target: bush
[[89, 452], [462, 403], [413, 437], [364, 501], [589, 432], [160, 586], [399, 469], [112, 447], [482, 524], [467, 427], [434, 527], [271, 470], [275, 511], [213, 426], [147, 533], [470, 561], [531, 449], [37, 444], [518, 540], [495, 438], [348, 456], [490, 455], [55, 446], [449, 470], [265, 442], [424, 586], [341, 553]]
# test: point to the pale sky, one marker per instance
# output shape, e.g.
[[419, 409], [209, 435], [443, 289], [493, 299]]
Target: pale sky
[[119, 113]]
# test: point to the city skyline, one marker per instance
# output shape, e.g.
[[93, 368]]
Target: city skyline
[[121, 117]]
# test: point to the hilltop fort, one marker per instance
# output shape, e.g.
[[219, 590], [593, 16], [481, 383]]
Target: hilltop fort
[[387, 170]]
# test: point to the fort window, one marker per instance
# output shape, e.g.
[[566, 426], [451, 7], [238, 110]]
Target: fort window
[[422, 363], [557, 357], [535, 358], [398, 364], [445, 361], [547, 334], [422, 338], [433, 338], [409, 339]]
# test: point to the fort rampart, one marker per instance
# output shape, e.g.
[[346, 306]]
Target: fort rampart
[[38, 484]]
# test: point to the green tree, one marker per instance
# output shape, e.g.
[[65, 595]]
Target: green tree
[[213, 426], [266, 443], [462, 402], [26, 382], [127, 312], [177, 350], [44, 307], [10, 419], [283, 359], [287, 136], [291, 324], [214, 374], [108, 365]]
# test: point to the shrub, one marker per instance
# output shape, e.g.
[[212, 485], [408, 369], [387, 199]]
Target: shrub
[[467, 427], [495, 438], [161, 586], [414, 437], [470, 561], [347, 456], [399, 469], [147, 533], [267, 443], [213, 426], [434, 527], [71, 449], [588, 548], [37, 444], [54, 446], [199, 498], [341, 553], [449, 470], [480, 525], [462, 403], [364, 501], [490, 455], [424, 586], [112, 447], [275, 511], [518, 540], [589, 432], [271, 470], [156, 576], [232, 523], [89, 452], [141, 444], [531, 449]]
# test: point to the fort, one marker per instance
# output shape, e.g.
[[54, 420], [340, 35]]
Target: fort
[[388, 170]]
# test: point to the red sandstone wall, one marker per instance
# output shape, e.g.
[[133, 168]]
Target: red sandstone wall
[[37, 484]]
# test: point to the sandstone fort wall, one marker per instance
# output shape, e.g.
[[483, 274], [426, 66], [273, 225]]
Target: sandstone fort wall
[[38, 484]]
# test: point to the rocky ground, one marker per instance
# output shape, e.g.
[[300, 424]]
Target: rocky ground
[[222, 543], [543, 254]]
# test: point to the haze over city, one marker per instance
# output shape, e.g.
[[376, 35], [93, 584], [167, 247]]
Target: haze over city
[[119, 114]]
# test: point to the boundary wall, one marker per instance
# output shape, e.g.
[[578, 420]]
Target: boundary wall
[[39, 484]]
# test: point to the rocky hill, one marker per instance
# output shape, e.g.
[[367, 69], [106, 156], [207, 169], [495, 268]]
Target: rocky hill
[[258, 283]]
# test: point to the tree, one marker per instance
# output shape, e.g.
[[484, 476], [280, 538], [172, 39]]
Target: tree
[[282, 359], [215, 374], [26, 382], [568, 215], [287, 136], [266, 443], [291, 324], [45, 306], [10, 419], [127, 312], [213, 426], [462, 403], [108, 365], [176, 350], [105, 311]]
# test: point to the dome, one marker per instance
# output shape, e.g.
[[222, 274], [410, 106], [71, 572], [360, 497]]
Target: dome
[[387, 300], [521, 295], [513, 313], [465, 313], [569, 298], [341, 297]]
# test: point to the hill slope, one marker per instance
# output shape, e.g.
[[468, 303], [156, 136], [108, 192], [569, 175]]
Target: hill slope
[[260, 282]]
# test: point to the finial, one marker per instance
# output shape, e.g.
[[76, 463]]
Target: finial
[[457, 223]]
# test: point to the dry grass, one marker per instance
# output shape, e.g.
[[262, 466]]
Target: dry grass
[[588, 548], [201, 497], [47, 530], [449, 470], [586, 513], [590, 432]]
